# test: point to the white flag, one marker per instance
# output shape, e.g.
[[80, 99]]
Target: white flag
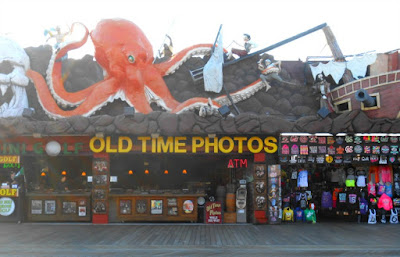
[[212, 71]]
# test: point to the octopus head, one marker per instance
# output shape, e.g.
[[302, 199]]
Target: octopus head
[[121, 43]]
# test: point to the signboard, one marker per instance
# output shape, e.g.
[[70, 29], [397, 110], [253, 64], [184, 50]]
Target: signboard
[[14, 159], [7, 206], [10, 192], [213, 212], [226, 144]]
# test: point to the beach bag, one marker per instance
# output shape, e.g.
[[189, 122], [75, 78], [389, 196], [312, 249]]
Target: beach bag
[[372, 217], [394, 218]]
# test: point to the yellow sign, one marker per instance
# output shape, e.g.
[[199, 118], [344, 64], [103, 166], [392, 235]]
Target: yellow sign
[[9, 159], [12, 192], [329, 159], [185, 145]]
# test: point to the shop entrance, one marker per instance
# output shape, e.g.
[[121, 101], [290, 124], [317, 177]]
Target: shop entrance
[[172, 187]]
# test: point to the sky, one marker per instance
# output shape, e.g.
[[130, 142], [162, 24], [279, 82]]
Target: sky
[[358, 25]]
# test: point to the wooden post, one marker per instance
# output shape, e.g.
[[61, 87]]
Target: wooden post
[[337, 53]]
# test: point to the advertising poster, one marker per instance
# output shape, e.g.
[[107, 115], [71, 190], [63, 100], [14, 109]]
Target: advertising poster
[[36, 206], [213, 212], [7, 206]]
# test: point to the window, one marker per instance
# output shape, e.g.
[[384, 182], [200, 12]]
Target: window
[[343, 106]]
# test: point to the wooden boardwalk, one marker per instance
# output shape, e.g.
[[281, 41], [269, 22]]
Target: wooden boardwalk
[[72, 239]]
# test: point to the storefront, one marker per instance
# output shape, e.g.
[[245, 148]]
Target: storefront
[[142, 179], [350, 177]]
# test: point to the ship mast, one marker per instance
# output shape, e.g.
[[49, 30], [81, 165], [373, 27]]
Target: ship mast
[[337, 53]]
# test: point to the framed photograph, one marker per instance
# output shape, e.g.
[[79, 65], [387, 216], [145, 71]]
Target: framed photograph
[[36, 206], [82, 211], [99, 207], [173, 211], [259, 170], [260, 186], [172, 202], [141, 206], [100, 165], [100, 180], [99, 194], [125, 207], [188, 206], [156, 206], [50, 207], [69, 207]]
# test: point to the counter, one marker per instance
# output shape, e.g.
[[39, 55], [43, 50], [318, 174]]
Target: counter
[[52, 206], [153, 207]]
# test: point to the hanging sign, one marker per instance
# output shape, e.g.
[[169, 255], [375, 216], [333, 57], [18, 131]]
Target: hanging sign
[[213, 212]]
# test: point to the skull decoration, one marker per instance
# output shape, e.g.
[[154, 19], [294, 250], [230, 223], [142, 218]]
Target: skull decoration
[[14, 63]]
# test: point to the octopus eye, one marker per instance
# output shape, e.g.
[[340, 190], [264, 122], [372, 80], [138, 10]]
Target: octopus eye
[[131, 59]]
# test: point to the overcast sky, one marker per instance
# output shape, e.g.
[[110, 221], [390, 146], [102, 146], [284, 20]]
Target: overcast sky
[[359, 26]]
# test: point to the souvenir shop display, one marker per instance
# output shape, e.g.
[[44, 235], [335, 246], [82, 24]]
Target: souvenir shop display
[[274, 194], [342, 177]]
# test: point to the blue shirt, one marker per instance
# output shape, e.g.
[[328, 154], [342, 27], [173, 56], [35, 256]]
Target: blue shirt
[[299, 214]]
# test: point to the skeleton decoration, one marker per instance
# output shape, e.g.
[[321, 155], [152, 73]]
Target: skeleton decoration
[[14, 63]]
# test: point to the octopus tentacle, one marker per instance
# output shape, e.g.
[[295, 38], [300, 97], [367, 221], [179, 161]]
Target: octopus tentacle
[[157, 85], [98, 98], [195, 103], [54, 74], [169, 67], [135, 96], [243, 93]]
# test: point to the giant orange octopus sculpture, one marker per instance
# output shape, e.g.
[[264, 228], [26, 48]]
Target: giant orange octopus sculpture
[[125, 53]]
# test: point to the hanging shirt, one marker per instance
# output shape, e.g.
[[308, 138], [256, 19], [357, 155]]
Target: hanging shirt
[[388, 189], [335, 196], [303, 201], [342, 201], [352, 201], [381, 188], [310, 215], [363, 204], [361, 181], [371, 189], [299, 214], [326, 200], [288, 214], [302, 179], [334, 176], [385, 173], [385, 202]]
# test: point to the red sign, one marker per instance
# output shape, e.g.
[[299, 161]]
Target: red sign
[[213, 212], [237, 163]]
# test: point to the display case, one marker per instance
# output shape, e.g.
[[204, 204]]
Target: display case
[[51, 206], [125, 207]]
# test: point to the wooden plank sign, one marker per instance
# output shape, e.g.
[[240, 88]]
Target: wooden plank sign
[[213, 212]]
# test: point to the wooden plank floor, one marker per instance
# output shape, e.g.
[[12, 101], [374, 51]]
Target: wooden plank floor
[[40, 236]]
